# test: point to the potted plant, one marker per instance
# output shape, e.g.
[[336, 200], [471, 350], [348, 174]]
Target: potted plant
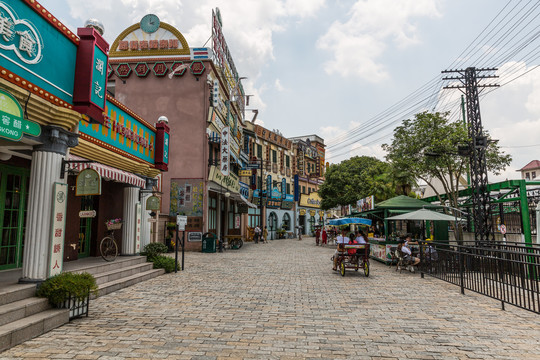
[[69, 291]]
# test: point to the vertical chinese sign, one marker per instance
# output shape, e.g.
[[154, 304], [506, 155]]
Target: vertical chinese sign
[[57, 228], [90, 90], [138, 212], [224, 162]]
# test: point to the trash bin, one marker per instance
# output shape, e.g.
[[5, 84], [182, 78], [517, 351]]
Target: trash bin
[[209, 243]]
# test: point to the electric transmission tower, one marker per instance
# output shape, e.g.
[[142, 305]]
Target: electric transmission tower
[[478, 143]]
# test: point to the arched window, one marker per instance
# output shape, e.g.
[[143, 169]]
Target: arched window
[[286, 222]]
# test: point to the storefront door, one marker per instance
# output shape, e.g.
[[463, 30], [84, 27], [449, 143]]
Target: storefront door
[[85, 227], [14, 195]]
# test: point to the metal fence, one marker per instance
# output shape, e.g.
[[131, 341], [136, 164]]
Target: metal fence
[[508, 272]]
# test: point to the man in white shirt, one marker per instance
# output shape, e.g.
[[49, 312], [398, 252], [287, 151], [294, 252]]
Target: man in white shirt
[[404, 247]]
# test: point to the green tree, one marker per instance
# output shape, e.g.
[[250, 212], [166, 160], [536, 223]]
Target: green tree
[[354, 179], [434, 134]]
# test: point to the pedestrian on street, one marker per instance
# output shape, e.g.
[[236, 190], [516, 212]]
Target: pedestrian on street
[[324, 237], [317, 236], [265, 235], [257, 235]]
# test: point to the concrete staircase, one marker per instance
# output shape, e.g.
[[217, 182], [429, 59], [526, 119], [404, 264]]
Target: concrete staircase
[[24, 316]]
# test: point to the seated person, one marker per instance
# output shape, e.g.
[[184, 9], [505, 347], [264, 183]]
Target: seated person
[[341, 240], [407, 253], [361, 237], [352, 241]]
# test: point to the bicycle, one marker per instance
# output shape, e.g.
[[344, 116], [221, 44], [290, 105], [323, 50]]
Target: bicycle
[[108, 247]]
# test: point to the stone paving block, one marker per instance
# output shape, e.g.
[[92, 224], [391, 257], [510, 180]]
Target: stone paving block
[[283, 301]]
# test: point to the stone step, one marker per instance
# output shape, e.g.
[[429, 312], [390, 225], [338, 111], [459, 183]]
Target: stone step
[[18, 331], [105, 277], [115, 285], [103, 267], [22, 308], [15, 292]]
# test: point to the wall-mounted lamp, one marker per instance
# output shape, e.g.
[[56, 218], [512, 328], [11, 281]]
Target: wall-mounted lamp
[[227, 194]]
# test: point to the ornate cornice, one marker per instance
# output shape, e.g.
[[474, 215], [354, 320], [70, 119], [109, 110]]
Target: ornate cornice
[[91, 151]]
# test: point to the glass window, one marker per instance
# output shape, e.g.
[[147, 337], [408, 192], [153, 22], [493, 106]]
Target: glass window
[[303, 189], [274, 156], [287, 161], [259, 151], [288, 188], [534, 174]]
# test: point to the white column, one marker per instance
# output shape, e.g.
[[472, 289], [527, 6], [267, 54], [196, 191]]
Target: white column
[[145, 225], [45, 171], [131, 198]]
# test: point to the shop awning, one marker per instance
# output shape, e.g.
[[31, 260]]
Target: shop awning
[[106, 172], [250, 204]]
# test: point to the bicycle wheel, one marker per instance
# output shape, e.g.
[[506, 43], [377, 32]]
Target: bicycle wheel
[[342, 268], [366, 268], [108, 248]]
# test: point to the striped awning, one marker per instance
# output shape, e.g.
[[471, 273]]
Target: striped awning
[[106, 172]]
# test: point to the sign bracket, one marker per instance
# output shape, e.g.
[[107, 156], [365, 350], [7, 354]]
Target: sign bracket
[[65, 162]]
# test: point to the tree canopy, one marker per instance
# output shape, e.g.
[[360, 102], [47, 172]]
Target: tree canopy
[[354, 179], [434, 134]]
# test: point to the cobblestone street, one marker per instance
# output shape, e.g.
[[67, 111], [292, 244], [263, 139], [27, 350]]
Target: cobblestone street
[[282, 301]]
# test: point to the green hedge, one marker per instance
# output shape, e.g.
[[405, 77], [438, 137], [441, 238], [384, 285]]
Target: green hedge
[[58, 288], [164, 262]]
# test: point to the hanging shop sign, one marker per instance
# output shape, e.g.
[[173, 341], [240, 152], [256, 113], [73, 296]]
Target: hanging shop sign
[[161, 160], [229, 182], [58, 228], [287, 204], [87, 214], [283, 188], [312, 200], [366, 204], [33, 48], [274, 204], [125, 131], [12, 122], [153, 203], [296, 188], [244, 173], [90, 90], [88, 183], [224, 153]]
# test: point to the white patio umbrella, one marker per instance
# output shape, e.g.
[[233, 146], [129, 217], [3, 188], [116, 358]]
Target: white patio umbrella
[[424, 214]]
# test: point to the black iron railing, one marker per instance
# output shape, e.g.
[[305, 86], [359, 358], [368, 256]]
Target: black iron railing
[[508, 272]]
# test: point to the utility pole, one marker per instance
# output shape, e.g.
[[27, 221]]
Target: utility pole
[[469, 79]]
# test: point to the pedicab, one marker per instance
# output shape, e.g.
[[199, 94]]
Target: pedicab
[[352, 256]]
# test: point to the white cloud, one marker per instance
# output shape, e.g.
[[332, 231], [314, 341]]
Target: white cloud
[[357, 44], [278, 85], [248, 26]]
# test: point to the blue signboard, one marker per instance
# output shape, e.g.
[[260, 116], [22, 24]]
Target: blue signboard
[[126, 133], [34, 49], [99, 77], [166, 149], [296, 188]]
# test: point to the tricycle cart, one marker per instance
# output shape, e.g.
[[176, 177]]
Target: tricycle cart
[[358, 259]]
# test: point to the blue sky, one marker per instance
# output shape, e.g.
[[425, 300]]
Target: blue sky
[[326, 67]]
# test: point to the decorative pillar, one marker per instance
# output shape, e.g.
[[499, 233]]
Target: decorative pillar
[[131, 198], [145, 225], [45, 171]]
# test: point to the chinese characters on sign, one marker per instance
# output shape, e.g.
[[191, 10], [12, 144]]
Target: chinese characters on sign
[[12, 123], [58, 227], [19, 36], [99, 77], [225, 155]]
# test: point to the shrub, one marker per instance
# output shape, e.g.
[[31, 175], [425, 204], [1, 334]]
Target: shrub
[[154, 249], [58, 288], [164, 262]]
